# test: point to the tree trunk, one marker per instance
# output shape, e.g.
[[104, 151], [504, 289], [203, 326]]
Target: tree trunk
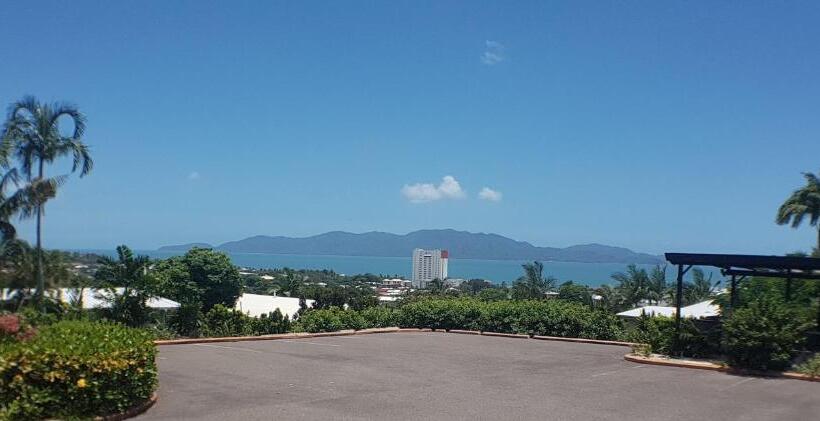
[[41, 287], [817, 250]]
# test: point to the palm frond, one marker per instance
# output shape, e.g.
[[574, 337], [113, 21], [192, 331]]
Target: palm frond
[[7, 231], [803, 202], [63, 109]]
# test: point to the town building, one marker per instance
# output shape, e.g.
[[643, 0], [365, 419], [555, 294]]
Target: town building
[[396, 282], [429, 265]]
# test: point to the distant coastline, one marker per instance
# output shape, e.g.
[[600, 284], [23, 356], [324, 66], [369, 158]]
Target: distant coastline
[[461, 244], [496, 271]]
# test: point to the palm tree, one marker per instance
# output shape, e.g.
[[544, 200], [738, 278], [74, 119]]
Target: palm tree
[[32, 135], [632, 285], [8, 206], [610, 298], [656, 288], [701, 288], [291, 284], [130, 273], [18, 268], [804, 202], [533, 284]]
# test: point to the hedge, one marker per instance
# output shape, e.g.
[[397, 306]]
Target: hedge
[[224, 321], [764, 335], [331, 320], [76, 369], [550, 318], [658, 333]]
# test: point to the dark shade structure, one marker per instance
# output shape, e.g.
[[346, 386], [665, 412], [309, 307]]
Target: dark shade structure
[[738, 267]]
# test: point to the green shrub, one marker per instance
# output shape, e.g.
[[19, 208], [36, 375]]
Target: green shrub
[[502, 317], [763, 335], [331, 320], [270, 323], [380, 317], [551, 318], [601, 324], [35, 317], [567, 319], [659, 332], [493, 294], [441, 313], [74, 369], [186, 320], [810, 367], [130, 310], [223, 321]]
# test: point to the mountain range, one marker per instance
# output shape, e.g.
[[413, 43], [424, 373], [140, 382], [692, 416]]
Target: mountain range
[[460, 244]]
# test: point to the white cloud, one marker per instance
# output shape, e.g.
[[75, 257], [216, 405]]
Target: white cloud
[[489, 194], [493, 53], [193, 175], [428, 192]]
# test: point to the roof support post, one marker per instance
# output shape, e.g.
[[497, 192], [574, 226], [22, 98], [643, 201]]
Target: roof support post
[[679, 303], [733, 292]]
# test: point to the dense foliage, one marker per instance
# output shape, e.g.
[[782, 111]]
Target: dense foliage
[[763, 335], [75, 369], [223, 321], [129, 285], [331, 319], [533, 285], [571, 291], [637, 286], [804, 203], [355, 297], [810, 367], [551, 318], [32, 135], [202, 277], [658, 334]]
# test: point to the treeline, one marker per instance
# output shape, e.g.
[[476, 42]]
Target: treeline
[[632, 288]]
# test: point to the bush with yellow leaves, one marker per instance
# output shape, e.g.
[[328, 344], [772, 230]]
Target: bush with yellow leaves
[[76, 369]]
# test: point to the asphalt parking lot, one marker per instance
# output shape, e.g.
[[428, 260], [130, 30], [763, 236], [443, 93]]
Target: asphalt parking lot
[[437, 376]]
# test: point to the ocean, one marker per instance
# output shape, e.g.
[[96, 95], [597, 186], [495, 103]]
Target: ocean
[[497, 271]]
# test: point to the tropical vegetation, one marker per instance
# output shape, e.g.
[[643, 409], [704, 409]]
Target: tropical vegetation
[[764, 335], [74, 369], [804, 203], [59, 360], [32, 135]]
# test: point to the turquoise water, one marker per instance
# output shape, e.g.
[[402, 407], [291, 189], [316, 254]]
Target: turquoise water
[[592, 274]]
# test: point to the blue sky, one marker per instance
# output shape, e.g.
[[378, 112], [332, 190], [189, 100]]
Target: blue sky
[[659, 126]]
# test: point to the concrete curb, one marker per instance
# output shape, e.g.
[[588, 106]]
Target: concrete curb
[[300, 335], [583, 341], [543, 338], [303, 335], [706, 365], [505, 335], [700, 365], [131, 412], [464, 332]]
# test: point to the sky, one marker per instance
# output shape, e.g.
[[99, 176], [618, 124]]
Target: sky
[[658, 126]]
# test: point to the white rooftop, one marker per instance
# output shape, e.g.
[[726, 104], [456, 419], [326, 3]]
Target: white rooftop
[[695, 311], [256, 305], [95, 298]]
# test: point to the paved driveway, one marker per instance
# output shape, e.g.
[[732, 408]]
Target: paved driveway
[[415, 376]]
